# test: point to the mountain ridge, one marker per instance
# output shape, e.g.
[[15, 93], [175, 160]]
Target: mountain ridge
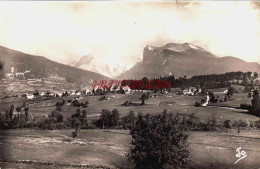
[[88, 62], [42, 67], [184, 60]]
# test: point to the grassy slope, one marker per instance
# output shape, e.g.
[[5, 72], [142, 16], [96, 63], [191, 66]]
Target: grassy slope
[[174, 104]]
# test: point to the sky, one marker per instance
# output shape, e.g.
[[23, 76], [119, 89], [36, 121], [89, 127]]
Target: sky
[[116, 32]]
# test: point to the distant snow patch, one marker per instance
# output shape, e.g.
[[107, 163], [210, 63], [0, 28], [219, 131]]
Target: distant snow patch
[[193, 46], [150, 48], [176, 49]]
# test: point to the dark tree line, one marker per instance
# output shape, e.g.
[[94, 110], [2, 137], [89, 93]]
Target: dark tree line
[[206, 81], [254, 107]]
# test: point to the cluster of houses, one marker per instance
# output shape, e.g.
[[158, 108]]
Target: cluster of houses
[[113, 88], [36, 94], [191, 91], [56, 94], [14, 74]]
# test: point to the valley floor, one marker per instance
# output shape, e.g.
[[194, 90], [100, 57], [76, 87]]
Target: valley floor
[[96, 148], [42, 149]]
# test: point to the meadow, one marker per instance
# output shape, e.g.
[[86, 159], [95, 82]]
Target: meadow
[[107, 148], [98, 148]]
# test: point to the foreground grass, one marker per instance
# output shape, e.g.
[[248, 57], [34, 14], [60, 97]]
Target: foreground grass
[[107, 148]]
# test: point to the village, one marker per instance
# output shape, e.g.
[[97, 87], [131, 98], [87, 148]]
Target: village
[[49, 115], [16, 85]]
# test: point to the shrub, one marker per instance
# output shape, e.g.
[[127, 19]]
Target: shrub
[[60, 126], [77, 114], [75, 123], [240, 123], [57, 116], [46, 124], [251, 124], [30, 125], [11, 112], [255, 108], [192, 122], [235, 124], [68, 123], [212, 120], [231, 91], [18, 109], [143, 98], [158, 141], [197, 104], [129, 120], [58, 108], [243, 123], [76, 103], [98, 123], [60, 104], [212, 97], [84, 113], [105, 117], [114, 117], [103, 98], [245, 106], [6, 115], [127, 103], [84, 122], [257, 124], [227, 124]]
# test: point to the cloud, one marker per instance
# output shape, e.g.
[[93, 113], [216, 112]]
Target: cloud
[[256, 4], [116, 32]]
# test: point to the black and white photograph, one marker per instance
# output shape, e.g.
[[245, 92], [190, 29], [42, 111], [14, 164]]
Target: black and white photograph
[[130, 84]]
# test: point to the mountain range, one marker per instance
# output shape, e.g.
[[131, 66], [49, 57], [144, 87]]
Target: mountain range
[[171, 59], [41, 67], [90, 63], [184, 60]]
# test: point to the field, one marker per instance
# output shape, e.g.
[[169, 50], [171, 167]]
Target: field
[[173, 103], [106, 148]]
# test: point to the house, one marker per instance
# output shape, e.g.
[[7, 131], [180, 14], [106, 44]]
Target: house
[[19, 74], [206, 100], [29, 96], [87, 91], [188, 92], [95, 88], [52, 95], [9, 75], [77, 93], [58, 94], [127, 89], [114, 88]]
